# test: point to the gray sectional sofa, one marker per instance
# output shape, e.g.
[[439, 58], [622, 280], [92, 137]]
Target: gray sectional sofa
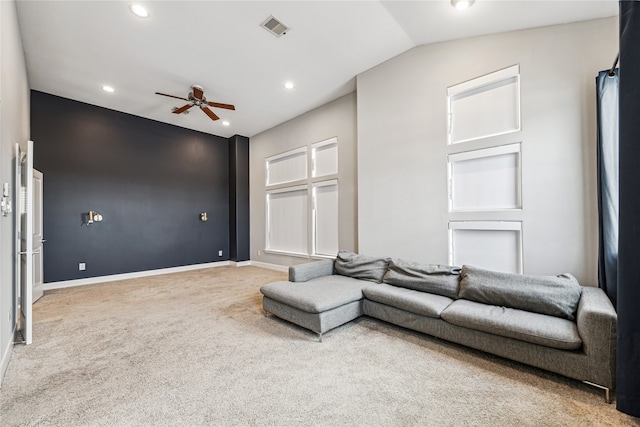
[[550, 322]]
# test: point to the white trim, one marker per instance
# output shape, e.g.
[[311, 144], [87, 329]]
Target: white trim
[[276, 267], [331, 141], [486, 225], [496, 76], [320, 257], [4, 363], [138, 274], [239, 263], [288, 189], [491, 135], [325, 183], [290, 153], [286, 253], [486, 152]]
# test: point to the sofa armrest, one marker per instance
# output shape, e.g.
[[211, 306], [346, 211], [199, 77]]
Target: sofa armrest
[[597, 325], [310, 270]]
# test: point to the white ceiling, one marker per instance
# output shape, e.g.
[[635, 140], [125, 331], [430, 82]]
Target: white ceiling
[[72, 48]]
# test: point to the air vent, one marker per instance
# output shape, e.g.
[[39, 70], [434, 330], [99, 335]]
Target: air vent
[[274, 26]]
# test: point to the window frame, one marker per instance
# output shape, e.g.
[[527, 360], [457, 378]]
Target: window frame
[[296, 152], [268, 212], [515, 226], [310, 182], [481, 85], [323, 145], [314, 212], [500, 150]]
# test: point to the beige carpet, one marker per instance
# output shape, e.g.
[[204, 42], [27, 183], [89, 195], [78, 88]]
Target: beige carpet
[[192, 349]]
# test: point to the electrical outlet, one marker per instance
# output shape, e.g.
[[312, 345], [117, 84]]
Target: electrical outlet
[[82, 266], [220, 252], [259, 252]]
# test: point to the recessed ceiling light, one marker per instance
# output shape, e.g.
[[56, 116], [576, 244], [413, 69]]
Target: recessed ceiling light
[[289, 85], [109, 89], [225, 123], [139, 10], [462, 4]]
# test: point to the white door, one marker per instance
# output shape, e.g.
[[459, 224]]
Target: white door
[[24, 227], [38, 239]]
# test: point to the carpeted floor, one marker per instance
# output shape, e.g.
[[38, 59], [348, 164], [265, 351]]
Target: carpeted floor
[[194, 348]]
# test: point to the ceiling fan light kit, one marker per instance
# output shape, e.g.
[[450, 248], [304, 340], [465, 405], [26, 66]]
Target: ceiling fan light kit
[[196, 98]]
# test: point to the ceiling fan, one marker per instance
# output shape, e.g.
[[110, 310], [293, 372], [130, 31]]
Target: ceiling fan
[[196, 98]]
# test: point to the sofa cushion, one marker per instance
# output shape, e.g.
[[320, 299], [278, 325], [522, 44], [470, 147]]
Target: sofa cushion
[[552, 295], [436, 279], [417, 302], [362, 267], [522, 325], [316, 295]]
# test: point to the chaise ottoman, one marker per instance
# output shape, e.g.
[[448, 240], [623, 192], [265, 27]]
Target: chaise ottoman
[[315, 303]]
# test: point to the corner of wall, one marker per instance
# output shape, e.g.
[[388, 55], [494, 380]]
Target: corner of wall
[[14, 127]]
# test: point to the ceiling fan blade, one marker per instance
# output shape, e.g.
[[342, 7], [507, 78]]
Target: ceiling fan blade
[[172, 96], [225, 106], [209, 113], [197, 92], [182, 109]]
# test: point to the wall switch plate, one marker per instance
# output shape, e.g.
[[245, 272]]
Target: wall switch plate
[[82, 266], [220, 252]]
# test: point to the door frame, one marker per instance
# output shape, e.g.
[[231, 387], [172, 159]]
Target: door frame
[[24, 237], [38, 239]]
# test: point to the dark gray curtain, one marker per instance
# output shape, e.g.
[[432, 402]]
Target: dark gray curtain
[[628, 301], [607, 91]]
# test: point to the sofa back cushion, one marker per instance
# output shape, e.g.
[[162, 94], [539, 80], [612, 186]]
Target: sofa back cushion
[[434, 279], [361, 266], [553, 295]]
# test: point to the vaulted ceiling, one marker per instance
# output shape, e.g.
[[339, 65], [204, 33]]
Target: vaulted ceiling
[[73, 48]]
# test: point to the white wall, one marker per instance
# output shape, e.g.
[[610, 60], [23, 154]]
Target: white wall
[[14, 127], [337, 118], [402, 190]]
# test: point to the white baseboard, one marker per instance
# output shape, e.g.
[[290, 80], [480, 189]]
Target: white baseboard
[[6, 355], [239, 263], [276, 267], [125, 276], [138, 274]]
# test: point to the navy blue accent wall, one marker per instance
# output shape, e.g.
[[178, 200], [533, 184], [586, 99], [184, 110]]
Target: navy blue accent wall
[[239, 198], [628, 301], [149, 180]]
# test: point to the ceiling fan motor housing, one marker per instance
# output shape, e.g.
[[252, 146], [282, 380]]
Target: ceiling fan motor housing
[[198, 102]]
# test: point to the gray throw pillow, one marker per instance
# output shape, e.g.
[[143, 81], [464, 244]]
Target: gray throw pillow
[[361, 266], [432, 278], [553, 295]]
